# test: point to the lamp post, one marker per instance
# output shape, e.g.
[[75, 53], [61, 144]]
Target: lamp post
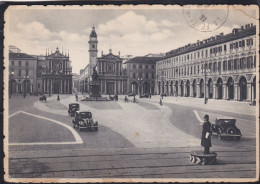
[[10, 84], [205, 71], [25, 84], [140, 82]]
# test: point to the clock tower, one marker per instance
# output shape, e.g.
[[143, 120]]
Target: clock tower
[[92, 50]]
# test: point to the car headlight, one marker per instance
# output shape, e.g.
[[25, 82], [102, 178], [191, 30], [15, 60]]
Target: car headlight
[[81, 123]]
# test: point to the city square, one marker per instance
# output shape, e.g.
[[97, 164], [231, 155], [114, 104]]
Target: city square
[[107, 100]]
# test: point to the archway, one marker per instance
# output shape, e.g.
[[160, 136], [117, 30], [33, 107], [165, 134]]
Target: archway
[[219, 88], [230, 88], [243, 88], [167, 88], [176, 88], [163, 87], [254, 89], [194, 87], [146, 88], [201, 88], [181, 88], [210, 88], [188, 88], [26, 86], [134, 88], [159, 88], [12, 86], [171, 88]]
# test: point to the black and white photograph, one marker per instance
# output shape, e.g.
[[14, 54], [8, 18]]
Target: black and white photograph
[[131, 93]]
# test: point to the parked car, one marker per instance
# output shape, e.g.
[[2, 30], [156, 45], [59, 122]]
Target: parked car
[[73, 107], [146, 95], [42, 98], [226, 128], [131, 94], [83, 120]]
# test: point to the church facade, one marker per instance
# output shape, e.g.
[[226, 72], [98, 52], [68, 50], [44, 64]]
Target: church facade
[[111, 75], [56, 74], [112, 78]]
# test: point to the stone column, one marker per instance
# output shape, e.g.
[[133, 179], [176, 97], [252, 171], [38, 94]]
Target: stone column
[[224, 91], [184, 90], [198, 91], [65, 85], [179, 90], [249, 92], [214, 91], [191, 90], [105, 86], [236, 91]]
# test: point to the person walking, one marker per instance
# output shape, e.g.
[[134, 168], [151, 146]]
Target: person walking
[[126, 100], [161, 101], [76, 96], [58, 98], [205, 135], [134, 99], [150, 95]]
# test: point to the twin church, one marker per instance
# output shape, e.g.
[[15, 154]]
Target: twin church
[[112, 76]]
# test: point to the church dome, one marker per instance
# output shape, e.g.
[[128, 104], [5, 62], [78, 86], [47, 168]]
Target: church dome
[[93, 32]]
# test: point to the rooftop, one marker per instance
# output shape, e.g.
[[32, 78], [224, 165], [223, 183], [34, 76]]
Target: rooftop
[[144, 60], [20, 56]]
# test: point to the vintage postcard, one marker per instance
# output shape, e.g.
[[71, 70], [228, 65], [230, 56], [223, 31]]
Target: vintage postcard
[[131, 93]]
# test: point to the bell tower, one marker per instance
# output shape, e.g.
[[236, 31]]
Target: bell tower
[[92, 50]]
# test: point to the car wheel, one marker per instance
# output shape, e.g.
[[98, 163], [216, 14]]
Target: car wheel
[[231, 130]]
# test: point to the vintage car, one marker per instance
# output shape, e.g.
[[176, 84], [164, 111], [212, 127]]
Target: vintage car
[[73, 107], [226, 128], [131, 94], [83, 120], [164, 94], [145, 95], [42, 98]]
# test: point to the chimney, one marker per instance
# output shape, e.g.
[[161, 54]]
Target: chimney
[[221, 34]]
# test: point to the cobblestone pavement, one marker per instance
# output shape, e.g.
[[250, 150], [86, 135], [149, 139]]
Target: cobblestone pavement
[[136, 140]]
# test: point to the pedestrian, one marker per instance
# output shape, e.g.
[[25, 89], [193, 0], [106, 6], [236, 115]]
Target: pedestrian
[[162, 95], [76, 96], [58, 98], [205, 135], [126, 100], [150, 95], [160, 101], [24, 95], [134, 99]]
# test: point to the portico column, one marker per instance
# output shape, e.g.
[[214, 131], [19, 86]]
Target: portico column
[[65, 86], [198, 91], [236, 93], [184, 89], [179, 91], [249, 91], [191, 90], [44, 86], [224, 91], [214, 91]]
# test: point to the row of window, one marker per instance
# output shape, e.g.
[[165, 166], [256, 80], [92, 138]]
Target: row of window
[[20, 63], [202, 54], [227, 65], [142, 66], [20, 72], [143, 75]]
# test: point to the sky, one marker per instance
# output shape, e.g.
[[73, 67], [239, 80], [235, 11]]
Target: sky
[[132, 30]]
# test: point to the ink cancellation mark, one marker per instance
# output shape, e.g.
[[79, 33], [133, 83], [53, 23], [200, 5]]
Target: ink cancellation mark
[[205, 19]]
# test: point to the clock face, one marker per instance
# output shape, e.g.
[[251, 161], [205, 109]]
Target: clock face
[[56, 66]]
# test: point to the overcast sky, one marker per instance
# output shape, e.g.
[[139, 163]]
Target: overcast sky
[[130, 31]]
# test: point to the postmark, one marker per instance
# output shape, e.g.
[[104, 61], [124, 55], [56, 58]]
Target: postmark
[[204, 19]]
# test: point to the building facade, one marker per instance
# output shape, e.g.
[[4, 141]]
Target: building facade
[[22, 73], [56, 74], [220, 67], [141, 72], [111, 75]]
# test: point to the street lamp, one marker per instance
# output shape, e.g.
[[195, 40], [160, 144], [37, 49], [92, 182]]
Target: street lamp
[[25, 84], [140, 82], [205, 71], [10, 83]]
